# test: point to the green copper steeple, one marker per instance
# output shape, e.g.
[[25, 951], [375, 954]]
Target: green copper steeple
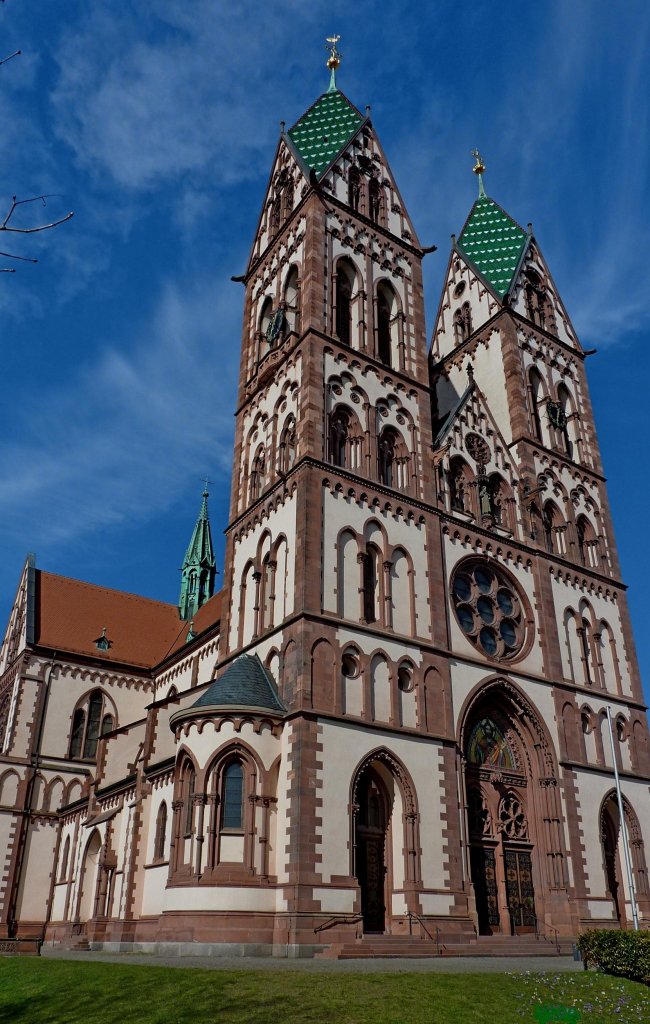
[[199, 566]]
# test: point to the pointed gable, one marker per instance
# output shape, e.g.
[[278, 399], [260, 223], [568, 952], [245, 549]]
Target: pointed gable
[[325, 129], [493, 242]]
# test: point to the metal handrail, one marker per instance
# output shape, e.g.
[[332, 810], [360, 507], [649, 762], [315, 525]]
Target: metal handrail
[[540, 930], [331, 921], [413, 916]]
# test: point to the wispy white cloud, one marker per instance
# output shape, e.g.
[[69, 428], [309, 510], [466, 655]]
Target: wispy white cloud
[[128, 430]]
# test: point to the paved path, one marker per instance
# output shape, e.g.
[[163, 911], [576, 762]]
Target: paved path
[[440, 965]]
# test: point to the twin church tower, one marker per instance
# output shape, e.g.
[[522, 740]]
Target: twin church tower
[[392, 718]]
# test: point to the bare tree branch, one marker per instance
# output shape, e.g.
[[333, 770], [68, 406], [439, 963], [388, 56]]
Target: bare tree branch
[[40, 227], [11, 55], [15, 203]]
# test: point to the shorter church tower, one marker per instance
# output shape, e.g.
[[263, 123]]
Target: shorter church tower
[[199, 566]]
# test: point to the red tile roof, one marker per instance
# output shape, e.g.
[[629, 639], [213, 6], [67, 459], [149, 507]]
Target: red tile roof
[[70, 616]]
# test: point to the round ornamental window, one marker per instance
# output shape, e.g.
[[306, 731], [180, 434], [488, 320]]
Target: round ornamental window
[[349, 665], [405, 678], [490, 608]]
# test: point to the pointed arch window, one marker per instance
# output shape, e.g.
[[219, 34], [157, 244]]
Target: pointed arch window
[[588, 554], [536, 392], [387, 457], [549, 523], [385, 303], [258, 475], [354, 188], [459, 483], [90, 721], [267, 591], [371, 583], [189, 788], [287, 198], [292, 300], [374, 200], [462, 323], [343, 303], [232, 796], [564, 411], [288, 446], [161, 832], [339, 433], [63, 873]]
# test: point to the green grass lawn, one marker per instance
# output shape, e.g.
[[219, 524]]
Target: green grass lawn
[[65, 992]]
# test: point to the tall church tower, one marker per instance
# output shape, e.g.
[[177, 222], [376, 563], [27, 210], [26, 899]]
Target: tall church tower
[[420, 554]]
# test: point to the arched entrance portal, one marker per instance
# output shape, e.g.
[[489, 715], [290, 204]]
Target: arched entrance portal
[[89, 876], [371, 823], [609, 831], [502, 785]]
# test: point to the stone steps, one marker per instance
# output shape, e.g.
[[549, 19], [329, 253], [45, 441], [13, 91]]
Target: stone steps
[[409, 947]]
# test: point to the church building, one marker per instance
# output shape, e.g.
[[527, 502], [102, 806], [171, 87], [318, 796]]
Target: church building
[[389, 729]]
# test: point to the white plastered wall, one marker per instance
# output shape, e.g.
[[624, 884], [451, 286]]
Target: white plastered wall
[[344, 747], [279, 521], [341, 511]]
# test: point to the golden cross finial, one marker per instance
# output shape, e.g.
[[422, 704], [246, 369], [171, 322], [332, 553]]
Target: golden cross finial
[[479, 168]]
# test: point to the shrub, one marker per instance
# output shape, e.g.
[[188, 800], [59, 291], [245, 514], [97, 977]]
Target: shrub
[[626, 954]]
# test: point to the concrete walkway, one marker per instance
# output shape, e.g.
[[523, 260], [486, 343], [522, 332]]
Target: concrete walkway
[[433, 965]]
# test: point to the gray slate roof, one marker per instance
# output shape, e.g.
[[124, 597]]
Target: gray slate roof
[[244, 684]]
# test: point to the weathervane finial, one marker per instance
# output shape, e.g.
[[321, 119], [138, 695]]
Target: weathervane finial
[[333, 61], [479, 168]]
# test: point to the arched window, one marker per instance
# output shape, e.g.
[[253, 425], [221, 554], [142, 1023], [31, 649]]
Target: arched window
[[497, 496], [371, 564], [292, 300], [258, 475], [462, 323], [232, 796], [287, 198], [582, 526], [354, 188], [161, 832], [288, 445], [89, 722], [564, 402], [266, 315], [535, 298], [374, 200], [338, 437], [536, 393], [343, 303], [63, 873], [189, 787], [459, 481], [550, 519], [268, 588], [385, 304], [386, 453]]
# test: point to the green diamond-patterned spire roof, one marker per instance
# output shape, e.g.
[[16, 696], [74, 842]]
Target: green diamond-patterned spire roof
[[325, 129], [493, 242]]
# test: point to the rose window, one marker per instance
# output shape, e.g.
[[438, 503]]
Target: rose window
[[489, 609], [512, 818]]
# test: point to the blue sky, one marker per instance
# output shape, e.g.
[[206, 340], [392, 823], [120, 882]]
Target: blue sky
[[157, 124]]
